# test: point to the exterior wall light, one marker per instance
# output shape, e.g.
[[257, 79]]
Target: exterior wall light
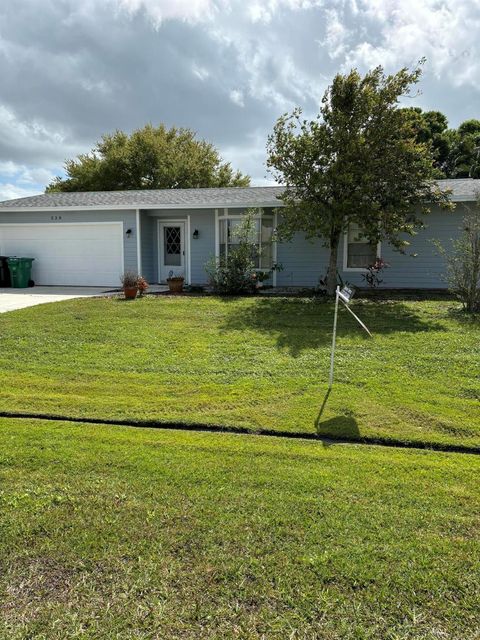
[[195, 234], [128, 233]]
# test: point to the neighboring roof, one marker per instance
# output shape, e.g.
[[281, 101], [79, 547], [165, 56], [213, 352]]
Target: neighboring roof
[[462, 189], [152, 199], [467, 189]]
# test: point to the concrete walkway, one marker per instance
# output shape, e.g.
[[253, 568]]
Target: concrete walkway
[[12, 299]]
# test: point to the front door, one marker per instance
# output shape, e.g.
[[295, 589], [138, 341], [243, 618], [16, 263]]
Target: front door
[[171, 249]]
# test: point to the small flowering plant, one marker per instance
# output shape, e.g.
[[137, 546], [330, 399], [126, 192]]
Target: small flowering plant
[[374, 271], [142, 285], [260, 276]]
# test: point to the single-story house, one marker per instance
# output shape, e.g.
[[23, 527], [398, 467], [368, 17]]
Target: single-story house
[[90, 238]]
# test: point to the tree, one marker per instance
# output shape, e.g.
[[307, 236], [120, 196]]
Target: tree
[[456, 152], [463, 262], [464, 154], [150, 158], [431, 128], [357, 161]]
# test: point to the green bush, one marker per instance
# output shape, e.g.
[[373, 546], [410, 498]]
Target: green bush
[[235, 272], [463, 263]]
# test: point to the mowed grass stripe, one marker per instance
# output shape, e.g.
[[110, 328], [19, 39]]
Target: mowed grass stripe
[[211, 428], [119, 533], [253, 363]]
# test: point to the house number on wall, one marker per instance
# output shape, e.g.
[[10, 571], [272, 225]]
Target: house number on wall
[[55, 217]]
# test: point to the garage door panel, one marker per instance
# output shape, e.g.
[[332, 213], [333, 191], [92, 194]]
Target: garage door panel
[[68, 254]]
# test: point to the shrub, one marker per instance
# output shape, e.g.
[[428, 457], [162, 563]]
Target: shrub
[[235, 273], [463, 263], [374, 271], [129, 280]]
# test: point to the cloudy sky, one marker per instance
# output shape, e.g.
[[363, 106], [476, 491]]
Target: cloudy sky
[[74, 69]]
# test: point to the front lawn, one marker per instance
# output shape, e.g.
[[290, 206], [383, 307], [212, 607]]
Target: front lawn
[[123, 533], [253, 363]]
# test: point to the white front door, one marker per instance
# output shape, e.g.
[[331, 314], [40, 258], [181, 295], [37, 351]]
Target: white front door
[[171, 240]]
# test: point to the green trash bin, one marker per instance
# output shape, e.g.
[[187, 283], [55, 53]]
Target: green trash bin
[[20, 272]]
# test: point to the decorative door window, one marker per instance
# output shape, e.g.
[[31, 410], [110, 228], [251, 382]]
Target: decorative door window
[[172, 239]]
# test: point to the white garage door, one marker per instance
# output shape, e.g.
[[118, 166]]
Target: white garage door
[[68, 254]]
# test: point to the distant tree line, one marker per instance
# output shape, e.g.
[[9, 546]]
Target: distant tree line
[[160, 158], [456, 152]]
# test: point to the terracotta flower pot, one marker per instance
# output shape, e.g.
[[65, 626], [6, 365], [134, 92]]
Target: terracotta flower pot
[[176, 284], [130, 293]]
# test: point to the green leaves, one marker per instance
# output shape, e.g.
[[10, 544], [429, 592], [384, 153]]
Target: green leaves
[[358, 161], [150, 158], [456, 152]]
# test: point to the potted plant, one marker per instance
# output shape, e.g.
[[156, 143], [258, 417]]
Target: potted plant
[[175, 283], [259, 278], [129, 282]]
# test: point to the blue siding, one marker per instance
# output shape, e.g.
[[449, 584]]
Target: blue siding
[[52, 217], [426, 269], [148, 235], [204, 248], [304, 262], [200, 250]]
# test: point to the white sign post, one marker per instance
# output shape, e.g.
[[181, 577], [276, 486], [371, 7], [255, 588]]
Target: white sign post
[[344, 295]]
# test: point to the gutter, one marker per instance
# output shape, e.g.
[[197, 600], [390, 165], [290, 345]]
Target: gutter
[[147, 207]]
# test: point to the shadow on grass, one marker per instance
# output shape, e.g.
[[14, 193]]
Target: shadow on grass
[[306, 323], [460, 315], [320, 413], [338, 427]]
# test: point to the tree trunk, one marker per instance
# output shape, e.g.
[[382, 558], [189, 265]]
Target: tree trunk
[[332, 265]]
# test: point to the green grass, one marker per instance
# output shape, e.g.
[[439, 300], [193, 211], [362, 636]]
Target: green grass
[[253, 363], [123, 533]]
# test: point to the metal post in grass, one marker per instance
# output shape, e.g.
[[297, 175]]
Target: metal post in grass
[[344, 296]]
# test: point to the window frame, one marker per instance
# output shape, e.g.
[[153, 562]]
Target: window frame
[[345, 254], [228, 214]]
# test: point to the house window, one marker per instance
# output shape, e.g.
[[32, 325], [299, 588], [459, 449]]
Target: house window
[[359, 252], [262, 233]]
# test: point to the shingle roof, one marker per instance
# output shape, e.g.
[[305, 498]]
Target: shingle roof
[[177, 198], [462, 189]]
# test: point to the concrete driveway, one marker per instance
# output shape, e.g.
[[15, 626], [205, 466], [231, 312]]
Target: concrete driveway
[[11, 299]]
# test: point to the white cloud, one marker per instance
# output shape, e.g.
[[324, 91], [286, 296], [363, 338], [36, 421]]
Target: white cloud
[[236, 96], [20, 180], [9, 191], [265, 10], [110, 64], [9, 169], [41, 140], [200, 72], [399, 34], [206, 10], [34, 176], [336, 34], [160, 10]]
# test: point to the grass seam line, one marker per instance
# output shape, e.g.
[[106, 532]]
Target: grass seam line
[[294, 435]]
